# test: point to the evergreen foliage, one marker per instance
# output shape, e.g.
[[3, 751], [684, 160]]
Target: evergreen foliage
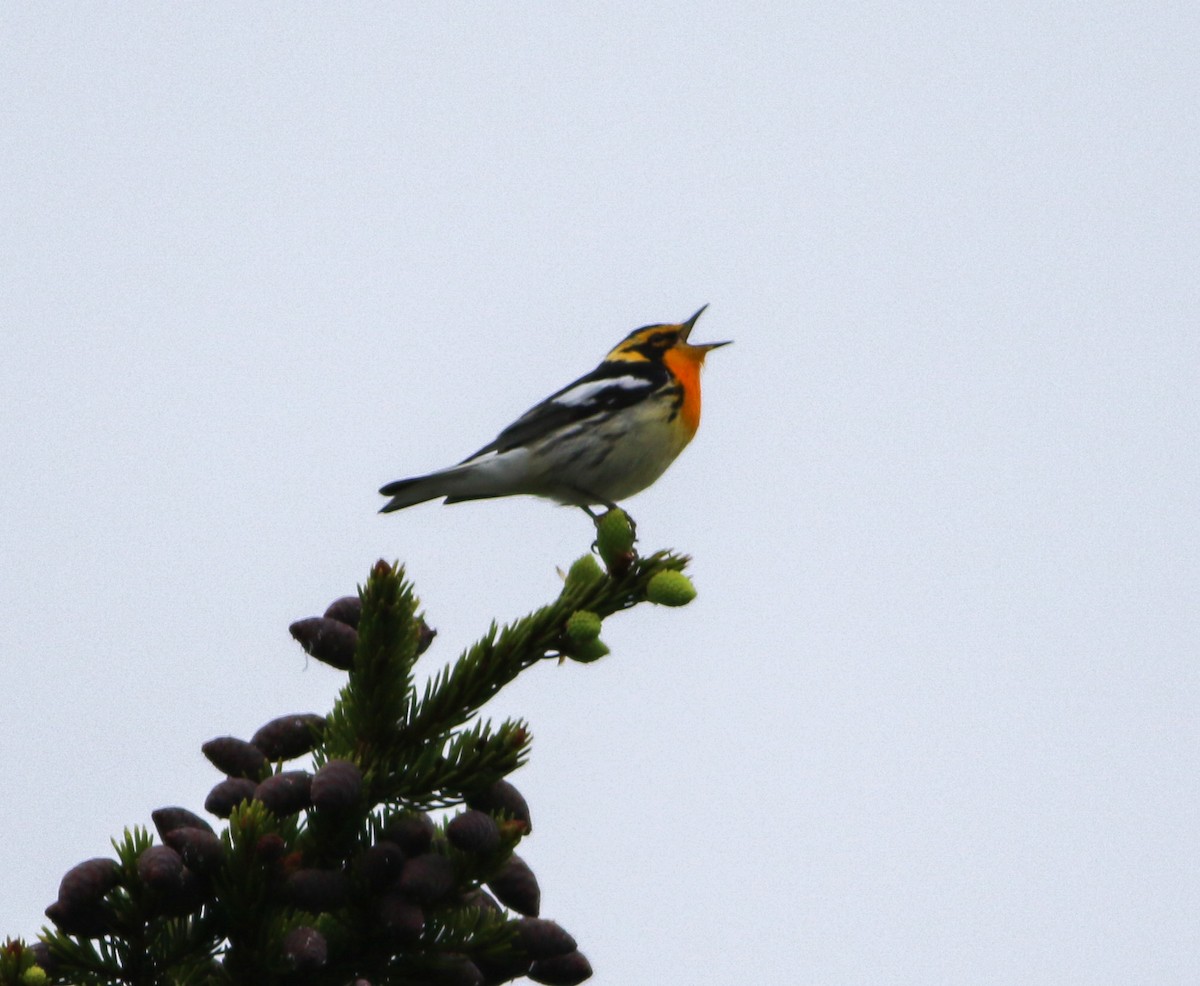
[[338, 876]]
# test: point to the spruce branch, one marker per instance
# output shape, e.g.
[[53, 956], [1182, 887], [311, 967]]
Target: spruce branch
[[365, 723], [441, 777], [458, 691], [337, 874]]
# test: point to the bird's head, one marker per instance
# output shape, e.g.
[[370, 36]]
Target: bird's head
[[653, 343]]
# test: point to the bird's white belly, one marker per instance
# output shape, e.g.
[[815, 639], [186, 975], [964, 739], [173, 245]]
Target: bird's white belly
[[614, 459]]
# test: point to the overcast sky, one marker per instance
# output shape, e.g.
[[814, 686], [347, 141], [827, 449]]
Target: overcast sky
[[933, 717]]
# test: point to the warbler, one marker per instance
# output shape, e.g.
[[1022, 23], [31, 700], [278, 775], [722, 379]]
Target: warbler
[[601, 439]]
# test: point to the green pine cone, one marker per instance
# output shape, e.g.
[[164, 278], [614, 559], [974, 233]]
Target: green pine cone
[[583, 625], [583, 572], [670, 589], [586, 651], [614, 538]]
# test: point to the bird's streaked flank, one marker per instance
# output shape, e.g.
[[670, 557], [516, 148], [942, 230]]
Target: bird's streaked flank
[[599, 440]]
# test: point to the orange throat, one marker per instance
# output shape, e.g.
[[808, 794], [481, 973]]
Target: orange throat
[[686, 368]]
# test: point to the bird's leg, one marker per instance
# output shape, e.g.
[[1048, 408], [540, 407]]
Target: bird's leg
[[590, 498]]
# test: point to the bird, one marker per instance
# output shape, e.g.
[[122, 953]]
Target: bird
[[597, 441]]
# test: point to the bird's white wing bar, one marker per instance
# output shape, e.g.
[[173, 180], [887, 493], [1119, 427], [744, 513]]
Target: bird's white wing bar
[[585, 393]]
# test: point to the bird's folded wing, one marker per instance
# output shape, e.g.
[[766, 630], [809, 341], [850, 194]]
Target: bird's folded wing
[[605, 389]]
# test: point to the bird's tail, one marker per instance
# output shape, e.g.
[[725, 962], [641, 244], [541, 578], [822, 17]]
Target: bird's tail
[[462, 482], [407, 492]]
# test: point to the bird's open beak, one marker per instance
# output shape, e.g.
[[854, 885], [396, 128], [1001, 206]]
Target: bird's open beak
[[686, 330]]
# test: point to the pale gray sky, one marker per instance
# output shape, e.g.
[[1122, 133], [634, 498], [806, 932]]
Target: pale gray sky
[[933, 718]]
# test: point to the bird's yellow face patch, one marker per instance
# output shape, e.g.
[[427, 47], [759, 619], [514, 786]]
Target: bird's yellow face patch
[[645, 345]]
